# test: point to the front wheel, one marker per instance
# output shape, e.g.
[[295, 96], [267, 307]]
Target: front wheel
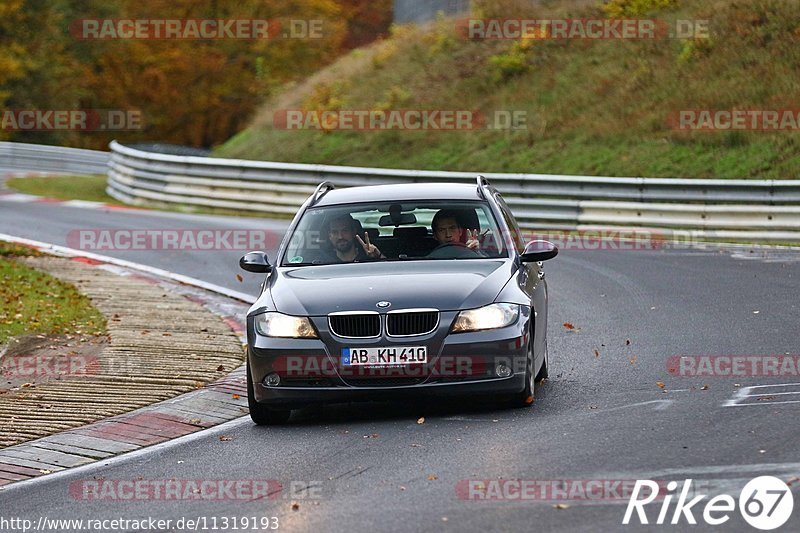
[[525, 398], [543, 371], [261, 414]]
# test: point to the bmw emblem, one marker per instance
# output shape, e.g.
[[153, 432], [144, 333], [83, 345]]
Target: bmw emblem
[[383, 305]]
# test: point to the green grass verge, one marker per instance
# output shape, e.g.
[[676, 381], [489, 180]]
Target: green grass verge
[[593, 107], [90, 188], [34, 302], [93, 188]]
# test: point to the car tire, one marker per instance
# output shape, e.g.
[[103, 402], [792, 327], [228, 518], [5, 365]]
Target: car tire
[[260, 413], [525, 398], [543, 371]]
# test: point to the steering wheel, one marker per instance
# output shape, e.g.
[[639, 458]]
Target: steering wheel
[[452, 250]]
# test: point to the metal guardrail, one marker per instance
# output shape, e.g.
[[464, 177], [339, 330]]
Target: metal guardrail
[[755, 210], [22, 157], [751, 210]]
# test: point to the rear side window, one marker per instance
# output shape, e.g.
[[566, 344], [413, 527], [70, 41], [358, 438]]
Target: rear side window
[[516, 232]]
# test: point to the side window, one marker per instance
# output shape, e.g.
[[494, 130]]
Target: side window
[[513, 227]]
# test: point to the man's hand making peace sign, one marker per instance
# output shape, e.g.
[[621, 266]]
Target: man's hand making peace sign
[[370, 249], [472, 240]]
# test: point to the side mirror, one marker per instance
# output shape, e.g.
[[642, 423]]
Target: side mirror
[[255, 262], [539, 251]]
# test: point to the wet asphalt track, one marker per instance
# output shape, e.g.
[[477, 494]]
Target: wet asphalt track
[[600, 416]]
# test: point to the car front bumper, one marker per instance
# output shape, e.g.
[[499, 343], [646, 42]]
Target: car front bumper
[[464, 364]]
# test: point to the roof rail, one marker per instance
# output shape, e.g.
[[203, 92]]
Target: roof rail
[[320, 191], [482, 182]]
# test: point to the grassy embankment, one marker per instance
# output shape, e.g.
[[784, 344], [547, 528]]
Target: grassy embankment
[[594, 107], [34, 302]]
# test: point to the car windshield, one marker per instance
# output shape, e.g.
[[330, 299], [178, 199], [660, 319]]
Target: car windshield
[[421, 230]]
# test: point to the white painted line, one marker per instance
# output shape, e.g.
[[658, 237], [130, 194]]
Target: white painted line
[[744, 393], [661, 405], [785, 468], [467, 419], [773, 385], [84, 204], [111, 461], [71, 252], [761, 403], [19, 197]]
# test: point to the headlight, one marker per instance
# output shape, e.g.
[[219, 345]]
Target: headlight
[[280, 325], [490, 317]]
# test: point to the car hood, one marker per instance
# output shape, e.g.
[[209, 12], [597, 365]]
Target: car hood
[[444, 285]]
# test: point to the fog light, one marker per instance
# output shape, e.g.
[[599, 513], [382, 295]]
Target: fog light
[[272, 380], [502, 370]]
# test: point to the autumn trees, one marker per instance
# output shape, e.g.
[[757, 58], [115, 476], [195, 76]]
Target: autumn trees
[[189, 91]]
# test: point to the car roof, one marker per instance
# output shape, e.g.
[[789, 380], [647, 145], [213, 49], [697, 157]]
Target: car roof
[[400, 193]]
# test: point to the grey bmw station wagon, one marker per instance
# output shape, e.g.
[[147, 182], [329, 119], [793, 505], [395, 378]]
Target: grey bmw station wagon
[[391, 291]]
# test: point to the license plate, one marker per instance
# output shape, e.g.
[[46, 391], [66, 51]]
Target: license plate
[[392, 355]]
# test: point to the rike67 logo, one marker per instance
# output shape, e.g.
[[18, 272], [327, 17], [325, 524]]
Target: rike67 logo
[[765, 503]]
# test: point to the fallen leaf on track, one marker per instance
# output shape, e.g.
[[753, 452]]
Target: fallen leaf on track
[[561, 506], [660, 384], [596, 353], [239, 278], [225, 438], [633, 360], [569, 325], [432, 477], [421, 420]]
